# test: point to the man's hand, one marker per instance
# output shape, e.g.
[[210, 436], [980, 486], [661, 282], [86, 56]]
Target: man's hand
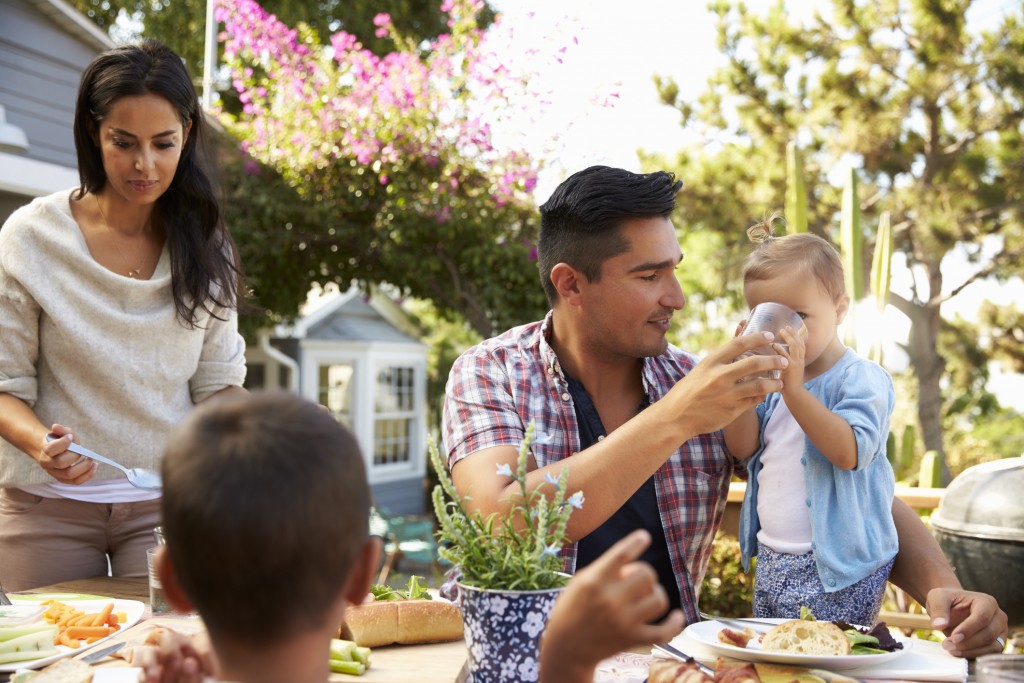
[[715, 392], [971, 621], [607, 607]]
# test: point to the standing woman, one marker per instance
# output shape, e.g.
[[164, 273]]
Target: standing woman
[[118, 313]]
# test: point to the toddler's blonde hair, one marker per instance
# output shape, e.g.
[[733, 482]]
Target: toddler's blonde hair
[[804, 252]]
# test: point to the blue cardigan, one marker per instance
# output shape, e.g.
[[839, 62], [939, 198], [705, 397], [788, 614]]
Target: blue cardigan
[[852, 532]]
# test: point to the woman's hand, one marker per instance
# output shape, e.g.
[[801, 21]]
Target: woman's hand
[[60, 463]]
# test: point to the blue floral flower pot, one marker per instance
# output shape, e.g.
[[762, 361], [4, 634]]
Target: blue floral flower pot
[[503, 631]]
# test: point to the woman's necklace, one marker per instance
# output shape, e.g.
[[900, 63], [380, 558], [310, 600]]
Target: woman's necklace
[[133, 273]]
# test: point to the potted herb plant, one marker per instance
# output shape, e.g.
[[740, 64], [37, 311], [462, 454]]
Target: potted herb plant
[[511, 570]]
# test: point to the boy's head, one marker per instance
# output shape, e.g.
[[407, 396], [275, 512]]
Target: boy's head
[[265, 514], [580, 222]]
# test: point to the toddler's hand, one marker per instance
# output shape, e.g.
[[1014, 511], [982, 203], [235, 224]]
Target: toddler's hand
[[793, 374]]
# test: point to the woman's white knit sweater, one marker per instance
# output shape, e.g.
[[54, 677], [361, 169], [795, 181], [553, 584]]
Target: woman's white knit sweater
[[100, 353]]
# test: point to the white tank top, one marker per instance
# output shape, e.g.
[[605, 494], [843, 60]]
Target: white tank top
[[94, 491], [781, 492]]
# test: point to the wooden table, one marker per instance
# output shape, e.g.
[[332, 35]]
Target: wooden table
[[438, 663]]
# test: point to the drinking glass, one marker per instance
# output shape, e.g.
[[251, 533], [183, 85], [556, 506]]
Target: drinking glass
[[157, 602], [999, 669], [772, 317]]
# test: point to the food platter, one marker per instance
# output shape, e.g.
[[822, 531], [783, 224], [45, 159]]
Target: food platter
[[706, 633], [132, 610]]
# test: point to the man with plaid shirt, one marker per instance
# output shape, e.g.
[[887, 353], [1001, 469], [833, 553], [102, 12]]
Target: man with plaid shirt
[[635, 419]]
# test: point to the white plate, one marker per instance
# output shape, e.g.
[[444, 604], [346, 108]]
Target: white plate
[[132, 609], [16, 615], [706, 633]]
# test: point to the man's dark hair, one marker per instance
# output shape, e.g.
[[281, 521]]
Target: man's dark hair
[[580, 222], [263, 491]]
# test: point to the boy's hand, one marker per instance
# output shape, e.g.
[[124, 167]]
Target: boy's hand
[[172, 657], [608, 606], [792, 376]]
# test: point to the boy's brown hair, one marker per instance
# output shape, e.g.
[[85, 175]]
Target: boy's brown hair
[[798, 252], [265, 512]]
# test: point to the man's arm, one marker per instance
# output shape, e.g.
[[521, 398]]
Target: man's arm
[[610, 471], [971, 621]]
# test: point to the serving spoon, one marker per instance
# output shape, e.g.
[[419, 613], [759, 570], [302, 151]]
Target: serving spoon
[[138, 477]]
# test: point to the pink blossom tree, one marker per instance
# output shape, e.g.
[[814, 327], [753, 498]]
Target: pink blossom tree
[[399, 153]]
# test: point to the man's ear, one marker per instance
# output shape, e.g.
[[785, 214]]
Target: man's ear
[[566, 280], [173, 592], [842, 308], [363, 572]]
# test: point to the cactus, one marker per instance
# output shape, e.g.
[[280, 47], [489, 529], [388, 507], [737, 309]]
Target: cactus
[[796, 193], [881, 275], [908, 443], [931, 470], [851, 239]]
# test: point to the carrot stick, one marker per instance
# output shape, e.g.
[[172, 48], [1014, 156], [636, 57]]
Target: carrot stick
[[79, 620], [81, 632], [101, 618], [65, 639]]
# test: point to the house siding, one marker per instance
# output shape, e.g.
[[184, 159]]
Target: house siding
[[40, 67], [401, 497]]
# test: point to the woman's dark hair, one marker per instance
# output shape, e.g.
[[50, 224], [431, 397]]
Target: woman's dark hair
[[580, 222], [205, 270]]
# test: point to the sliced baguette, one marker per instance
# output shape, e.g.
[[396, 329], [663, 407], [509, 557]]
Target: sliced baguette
[[803, 637], [405, 622]]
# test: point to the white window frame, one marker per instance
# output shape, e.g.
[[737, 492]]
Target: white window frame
[[368, 359]]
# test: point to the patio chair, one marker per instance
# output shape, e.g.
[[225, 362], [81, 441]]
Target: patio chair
[[408, 540]]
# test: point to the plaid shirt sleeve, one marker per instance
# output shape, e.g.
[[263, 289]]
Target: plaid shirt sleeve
[[479, 407]]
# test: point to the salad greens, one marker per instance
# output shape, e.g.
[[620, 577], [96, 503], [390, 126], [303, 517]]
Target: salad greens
[[874, 641], [414, 591]]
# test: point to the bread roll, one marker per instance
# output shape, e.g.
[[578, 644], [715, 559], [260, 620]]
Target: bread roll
[[405, 622], [803, 637]]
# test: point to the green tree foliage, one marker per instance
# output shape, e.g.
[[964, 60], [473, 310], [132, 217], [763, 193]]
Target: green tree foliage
[[181, 24], [398, 155], [928, 111]]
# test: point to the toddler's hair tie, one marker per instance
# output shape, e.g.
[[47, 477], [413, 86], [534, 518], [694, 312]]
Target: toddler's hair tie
[[761, 232]]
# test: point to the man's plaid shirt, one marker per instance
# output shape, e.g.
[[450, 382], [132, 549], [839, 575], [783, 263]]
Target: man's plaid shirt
[[499, 386]]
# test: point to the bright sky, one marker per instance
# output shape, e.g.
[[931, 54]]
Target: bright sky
[[620, 48]]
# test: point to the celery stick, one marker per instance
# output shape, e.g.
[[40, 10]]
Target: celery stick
[[363, 655], [29, 646], [12, 632], [342, 650], [351, 668]]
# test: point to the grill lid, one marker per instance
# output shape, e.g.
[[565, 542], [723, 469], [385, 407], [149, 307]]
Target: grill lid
[[985, 501]]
